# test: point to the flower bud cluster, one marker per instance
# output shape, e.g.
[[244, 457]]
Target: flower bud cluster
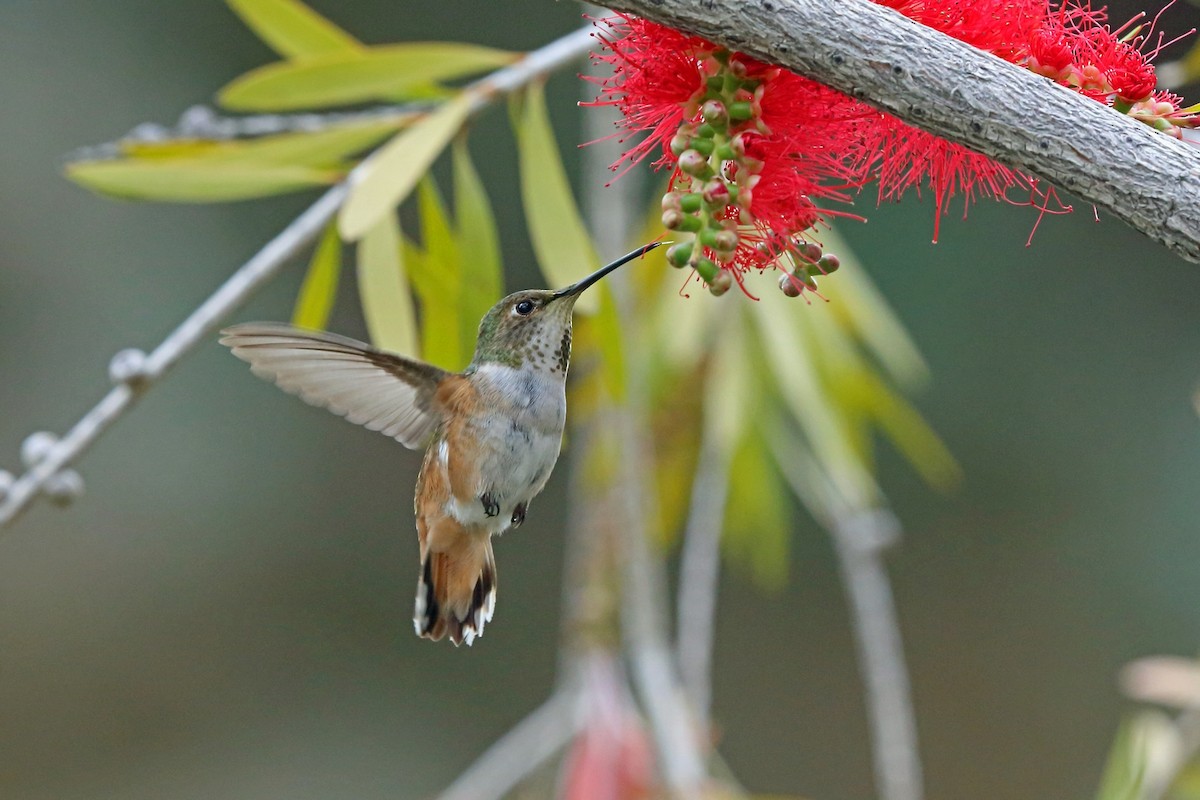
[[714, 182], [808, 262]]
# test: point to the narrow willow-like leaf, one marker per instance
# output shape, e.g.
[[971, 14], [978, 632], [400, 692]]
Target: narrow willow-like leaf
[[383, 290], [318, 293], [785, 345], [861, 308], [344, 78], [911, 435], [756, 517], [292, 29], [392, 172], [478, 242], [866, 400], [729, 393], [439, 286], [560, 240], [1125, 769], [195, 180], [326, 148]]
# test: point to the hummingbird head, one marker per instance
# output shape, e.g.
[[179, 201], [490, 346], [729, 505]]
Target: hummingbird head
[[533, 327]]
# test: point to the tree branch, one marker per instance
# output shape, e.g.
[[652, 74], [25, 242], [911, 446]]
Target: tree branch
[[516, 754], [134, 373], [949, 88], [860, 535]]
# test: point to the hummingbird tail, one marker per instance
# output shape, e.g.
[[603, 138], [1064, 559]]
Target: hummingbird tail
[[456, 592]]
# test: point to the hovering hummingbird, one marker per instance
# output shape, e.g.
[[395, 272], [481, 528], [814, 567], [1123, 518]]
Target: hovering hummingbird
[[491, 433]]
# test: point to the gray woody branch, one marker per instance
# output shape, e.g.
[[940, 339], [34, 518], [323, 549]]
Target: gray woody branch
[[939, 84]]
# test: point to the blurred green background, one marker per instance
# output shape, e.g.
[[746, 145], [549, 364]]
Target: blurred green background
[[226, 613]]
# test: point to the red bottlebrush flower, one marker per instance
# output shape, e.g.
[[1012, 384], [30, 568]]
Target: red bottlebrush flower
[[757, 152]]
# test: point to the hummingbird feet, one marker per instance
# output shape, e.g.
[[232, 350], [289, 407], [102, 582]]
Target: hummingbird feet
[[519, 514], [490, 507]]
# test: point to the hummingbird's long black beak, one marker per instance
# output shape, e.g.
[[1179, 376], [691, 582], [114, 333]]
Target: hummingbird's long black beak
[[577, 288]]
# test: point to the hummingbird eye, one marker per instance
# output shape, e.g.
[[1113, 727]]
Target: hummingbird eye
[[524, 308]]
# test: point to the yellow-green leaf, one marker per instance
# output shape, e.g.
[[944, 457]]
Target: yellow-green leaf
[[195, 180], [911, 435], [478, 242], [292, 29], [386, 302], [319, 290], [560, 240], [607, 325], [342, 78], [785, 342], [862, 309], [439, 285], [729, 392], [387, 177], [756, 516]]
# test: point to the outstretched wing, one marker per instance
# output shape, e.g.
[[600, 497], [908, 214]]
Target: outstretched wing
[[382, 391]]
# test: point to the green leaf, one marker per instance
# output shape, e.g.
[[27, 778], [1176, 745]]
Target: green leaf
[[292, 29], [560, 240], [1126, 766], [862, 309], [478, 242], [729, 393], [785, 341], [319, 290], [911, 435], [386, 72], [612, 344], [195, 180], [756, 515], [438, 284], [388, 176], [386, 302]]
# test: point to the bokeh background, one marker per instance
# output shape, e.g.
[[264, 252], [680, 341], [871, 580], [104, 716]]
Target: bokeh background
[[226, 612]]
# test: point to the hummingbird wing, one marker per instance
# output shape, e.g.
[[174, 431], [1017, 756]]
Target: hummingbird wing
[[381, 391]]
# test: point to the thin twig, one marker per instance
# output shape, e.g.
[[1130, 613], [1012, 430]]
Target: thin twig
[[960, 93], [203, 123], [263, 266], [860, 536], [518, 753], [699, 577]]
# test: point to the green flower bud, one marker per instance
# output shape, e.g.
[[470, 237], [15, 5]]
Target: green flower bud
[[829, 263], [789, 286], [714, 113], [740, 112], [691, 202], [671, 201], [721, 283], [680, 142], [678, 221], [694, 163], [679, 254], [809, 251], [725, 241], [704, 146], [706, 268]]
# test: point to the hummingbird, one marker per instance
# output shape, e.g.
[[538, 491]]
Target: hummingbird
[[491, 433]]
